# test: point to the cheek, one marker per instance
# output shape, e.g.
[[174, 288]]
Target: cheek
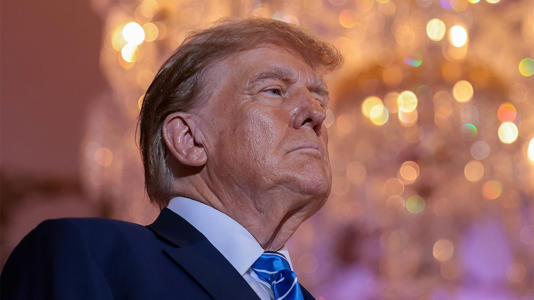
[[262, 134]]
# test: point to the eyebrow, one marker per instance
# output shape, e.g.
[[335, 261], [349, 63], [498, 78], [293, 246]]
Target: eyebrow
[[275, 73], [318, 85]]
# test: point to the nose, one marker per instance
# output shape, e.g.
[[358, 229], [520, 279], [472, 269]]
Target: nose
[[308, 113]]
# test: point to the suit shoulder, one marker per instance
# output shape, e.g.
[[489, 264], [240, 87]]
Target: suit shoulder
[[67, 224], [60, 233]]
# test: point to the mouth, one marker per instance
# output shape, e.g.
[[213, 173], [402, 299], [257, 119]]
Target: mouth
[[309, 148]]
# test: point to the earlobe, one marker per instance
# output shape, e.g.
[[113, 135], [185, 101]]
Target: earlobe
[[181, 138]]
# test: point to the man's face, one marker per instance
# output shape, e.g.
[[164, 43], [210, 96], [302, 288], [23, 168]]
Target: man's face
[[264, 127]]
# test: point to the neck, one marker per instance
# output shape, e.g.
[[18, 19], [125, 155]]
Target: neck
[[271, 216]]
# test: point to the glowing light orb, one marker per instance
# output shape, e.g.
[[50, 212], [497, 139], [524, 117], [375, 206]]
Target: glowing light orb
[[435, 29], [128, 53], [443, 250], [414, 62], [409, 171], [394, 186], [379, 115], [480, 150], [507, 112], [508, 132], [474, 170], [530, 151], [133, 33], [516, 273], [493, 1], [117, 41], [368, 105], [458, 36], [347, 18], [151, 31], [462, 91], [446, 4], [526, 67], [474, 1], [470, 130], [415, 204], [407, 101], [492, 189]]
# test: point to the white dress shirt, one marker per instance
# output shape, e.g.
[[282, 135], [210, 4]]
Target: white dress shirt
[[231, 239]]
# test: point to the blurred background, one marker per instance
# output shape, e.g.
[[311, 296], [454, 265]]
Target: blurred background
[[431, 133]]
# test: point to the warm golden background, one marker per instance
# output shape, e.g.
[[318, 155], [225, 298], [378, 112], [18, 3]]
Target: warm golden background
[[431, 130]]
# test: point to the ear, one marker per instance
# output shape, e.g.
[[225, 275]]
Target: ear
[[179, 129]]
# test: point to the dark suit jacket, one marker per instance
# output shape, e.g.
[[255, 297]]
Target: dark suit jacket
[[107, 259]]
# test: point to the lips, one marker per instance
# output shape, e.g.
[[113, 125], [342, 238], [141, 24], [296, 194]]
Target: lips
[[309, 147]]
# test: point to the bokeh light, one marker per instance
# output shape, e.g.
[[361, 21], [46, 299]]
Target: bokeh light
[[413, 62], [480, 150], [394, 186], [369, 103], [443, 250], [530, 150], [492, 189], [128, 52], [103, 156], [458, 36], [508, 132], [151, 31], [415, 204], [469, 130], [407, 101], [409, 171], [474, 1], [133, 33], [347, 18], [526, 66], [493, 1], [474, 171], [447, 4], [516, 273], [462, 91], [506, 112], [436, 29], [147, 8], [379, 115], [117, 40], [408, 119]]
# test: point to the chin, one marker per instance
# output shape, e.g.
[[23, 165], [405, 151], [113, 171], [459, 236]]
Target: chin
[[310, 178], [316, 183]]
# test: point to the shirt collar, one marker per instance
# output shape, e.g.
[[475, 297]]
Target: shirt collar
[[230, 238]]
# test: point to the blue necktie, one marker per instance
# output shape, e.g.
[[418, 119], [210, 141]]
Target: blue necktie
[[273, 268]]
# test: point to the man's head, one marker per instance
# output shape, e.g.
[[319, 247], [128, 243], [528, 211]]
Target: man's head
[[209, 88]]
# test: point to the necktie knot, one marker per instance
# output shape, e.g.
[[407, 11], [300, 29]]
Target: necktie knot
[[274, 269]]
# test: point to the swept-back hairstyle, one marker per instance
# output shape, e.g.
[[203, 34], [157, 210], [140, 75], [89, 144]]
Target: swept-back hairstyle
[[179, 83]]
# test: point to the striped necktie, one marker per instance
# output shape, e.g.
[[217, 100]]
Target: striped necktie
[[273, 268]]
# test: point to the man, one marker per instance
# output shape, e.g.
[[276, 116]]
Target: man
[[235, 152]]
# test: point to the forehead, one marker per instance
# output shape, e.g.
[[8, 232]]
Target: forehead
[[248, 63]]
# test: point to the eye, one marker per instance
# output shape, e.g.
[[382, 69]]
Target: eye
[[274, 91]]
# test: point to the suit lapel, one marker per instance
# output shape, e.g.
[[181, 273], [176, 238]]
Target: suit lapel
[[199, 258]]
